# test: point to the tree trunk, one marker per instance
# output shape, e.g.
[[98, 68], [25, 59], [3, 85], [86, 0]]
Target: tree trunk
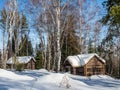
[[58, 49], [44, 58], [49, 53], [80, 27], [3, 56], [54, 58], [54, 53], [5, 59]]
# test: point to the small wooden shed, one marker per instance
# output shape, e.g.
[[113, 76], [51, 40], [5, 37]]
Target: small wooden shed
[[28, 61], [85, 64]]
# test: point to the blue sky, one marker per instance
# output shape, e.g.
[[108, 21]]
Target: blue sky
[[2, 4]]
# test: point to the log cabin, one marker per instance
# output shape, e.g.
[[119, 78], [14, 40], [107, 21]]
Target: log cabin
[[85, 64], [27, 61]]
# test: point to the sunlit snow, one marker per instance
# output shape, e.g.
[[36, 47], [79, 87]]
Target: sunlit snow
[[44, 80]]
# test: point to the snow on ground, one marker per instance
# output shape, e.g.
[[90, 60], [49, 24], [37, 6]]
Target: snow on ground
[[44, 80], [12, 75]]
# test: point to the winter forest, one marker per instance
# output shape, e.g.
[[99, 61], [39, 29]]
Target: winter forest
[[51, 30]]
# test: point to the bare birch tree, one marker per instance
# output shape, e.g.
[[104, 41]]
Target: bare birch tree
[[50, 12], [58, 33], [11, 32], [85, 22], [4, 33], [38, 9], [58, 7], [12, 24]]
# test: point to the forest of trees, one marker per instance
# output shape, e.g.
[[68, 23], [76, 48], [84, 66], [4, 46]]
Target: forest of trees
[[63, 28]]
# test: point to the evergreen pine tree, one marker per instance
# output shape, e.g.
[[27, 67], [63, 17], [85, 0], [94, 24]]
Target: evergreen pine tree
[[70, 43], [90, 47], [27, 49], [24, 25], [111, 41], [25, 46], [38, 57]]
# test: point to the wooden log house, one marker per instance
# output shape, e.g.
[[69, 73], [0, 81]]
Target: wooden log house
[[28, 61], [85, 64]]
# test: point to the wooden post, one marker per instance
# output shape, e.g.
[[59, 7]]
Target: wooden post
[[74, 71], [103, 71], [85, 71]]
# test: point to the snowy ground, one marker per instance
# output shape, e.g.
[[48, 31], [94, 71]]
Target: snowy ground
[[44, 80]]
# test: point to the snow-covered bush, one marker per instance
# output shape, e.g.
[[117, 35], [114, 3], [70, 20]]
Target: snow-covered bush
[[65, 82]]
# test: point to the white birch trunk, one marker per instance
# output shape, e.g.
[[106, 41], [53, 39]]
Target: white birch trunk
[[3, 56], [5, 48], [80, 26], [58, 49]]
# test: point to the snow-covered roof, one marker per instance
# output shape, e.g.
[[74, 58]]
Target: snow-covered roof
[[81, 60], [21, 59]]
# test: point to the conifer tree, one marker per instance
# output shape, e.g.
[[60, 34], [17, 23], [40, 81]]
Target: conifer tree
[[27, 49], [111, 41], [39, 61], [25, 46], [70, 43], [24, 25]]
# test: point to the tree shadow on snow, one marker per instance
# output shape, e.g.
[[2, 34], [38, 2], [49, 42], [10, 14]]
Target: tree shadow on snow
[[32, 73], [3, 87], [6, 84], [99, 82]]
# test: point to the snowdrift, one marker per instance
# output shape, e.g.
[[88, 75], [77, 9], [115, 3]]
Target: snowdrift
[[101, 77], [12, 75], [44, 80]]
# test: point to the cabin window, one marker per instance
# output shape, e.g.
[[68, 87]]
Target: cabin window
[[98, 69], [94, 70], [80, 71], [89, 70]]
